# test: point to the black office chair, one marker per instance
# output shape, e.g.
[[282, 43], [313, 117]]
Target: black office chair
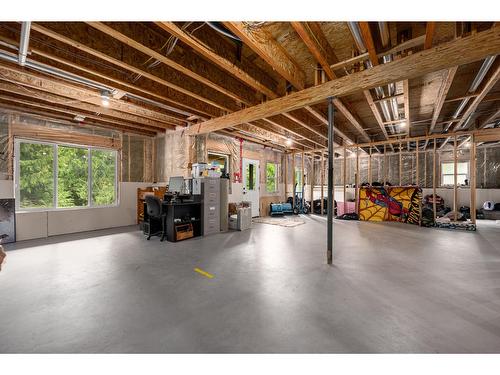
[[154, 214]]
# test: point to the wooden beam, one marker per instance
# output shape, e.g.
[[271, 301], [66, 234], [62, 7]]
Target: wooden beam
[[322, 118], [304, 125], [446, 55], [429, 34], [165, 60], [350, 61], [61, 38], [65, 119], [237, 134], [406, 99], [350, 117], [51, 134], [82, 98], [477, 100], [375, 112], [489, 119], [288, 130], [387, 98], [262, 43], [119, 125], [448, 76], [318, 46], [177, 107], [261, 132], [368, 39], [211, 55]]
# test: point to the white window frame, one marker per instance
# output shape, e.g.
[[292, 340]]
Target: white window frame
[[467, 175], [55, 146], [276, 176]]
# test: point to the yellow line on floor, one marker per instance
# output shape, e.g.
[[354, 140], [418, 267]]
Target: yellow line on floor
[[201, 272]]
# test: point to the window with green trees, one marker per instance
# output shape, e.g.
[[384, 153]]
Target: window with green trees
[[271, 177], [63, 176], [103, 177], [36, 172]]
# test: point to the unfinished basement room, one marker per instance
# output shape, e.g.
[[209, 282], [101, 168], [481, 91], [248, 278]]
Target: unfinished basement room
[[250, 187]]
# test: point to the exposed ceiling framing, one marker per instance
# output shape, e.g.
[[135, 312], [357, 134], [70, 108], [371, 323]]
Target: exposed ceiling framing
[[256, 80]]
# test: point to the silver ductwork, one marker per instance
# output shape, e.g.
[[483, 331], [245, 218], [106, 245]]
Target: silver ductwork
[[356, 33], [384, 33], [87, 82], [478, 79], [389, 108], [54, 71], [24, 42]]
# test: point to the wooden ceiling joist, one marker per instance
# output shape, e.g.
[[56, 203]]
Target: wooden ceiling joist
[[83, 97], [37, 81], [167, 61], [429, 34], [319, 116], [134, 69], [51, 115], [368, 39], [269, 50], [489, 119], [375, 112], [318, 45], [133, 88], [248, 75], [460, 51], [72, 113], [288, 130], [406, 100], [495, 77], [448, 76]]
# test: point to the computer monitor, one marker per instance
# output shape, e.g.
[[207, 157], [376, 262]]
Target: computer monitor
[[176, 185]]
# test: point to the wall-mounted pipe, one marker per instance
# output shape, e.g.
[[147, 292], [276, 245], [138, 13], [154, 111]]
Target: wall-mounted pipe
[[24, 42]]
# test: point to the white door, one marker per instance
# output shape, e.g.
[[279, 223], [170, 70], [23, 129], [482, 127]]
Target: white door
[[251, 185]]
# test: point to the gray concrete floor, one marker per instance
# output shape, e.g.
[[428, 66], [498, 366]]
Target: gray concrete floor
[[393, 288]]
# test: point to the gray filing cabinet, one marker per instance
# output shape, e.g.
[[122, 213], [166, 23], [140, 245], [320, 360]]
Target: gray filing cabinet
[[224, 201], [210, 195]]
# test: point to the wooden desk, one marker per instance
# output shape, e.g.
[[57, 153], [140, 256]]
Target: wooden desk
[[158, 191], [184, 211]]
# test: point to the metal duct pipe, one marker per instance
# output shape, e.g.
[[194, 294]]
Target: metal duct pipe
[[358, 39], [485, 67], [487, 63], [75, 78], [217, 26], [24, 42], [54, 71], [356, 33], [384, 33]]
